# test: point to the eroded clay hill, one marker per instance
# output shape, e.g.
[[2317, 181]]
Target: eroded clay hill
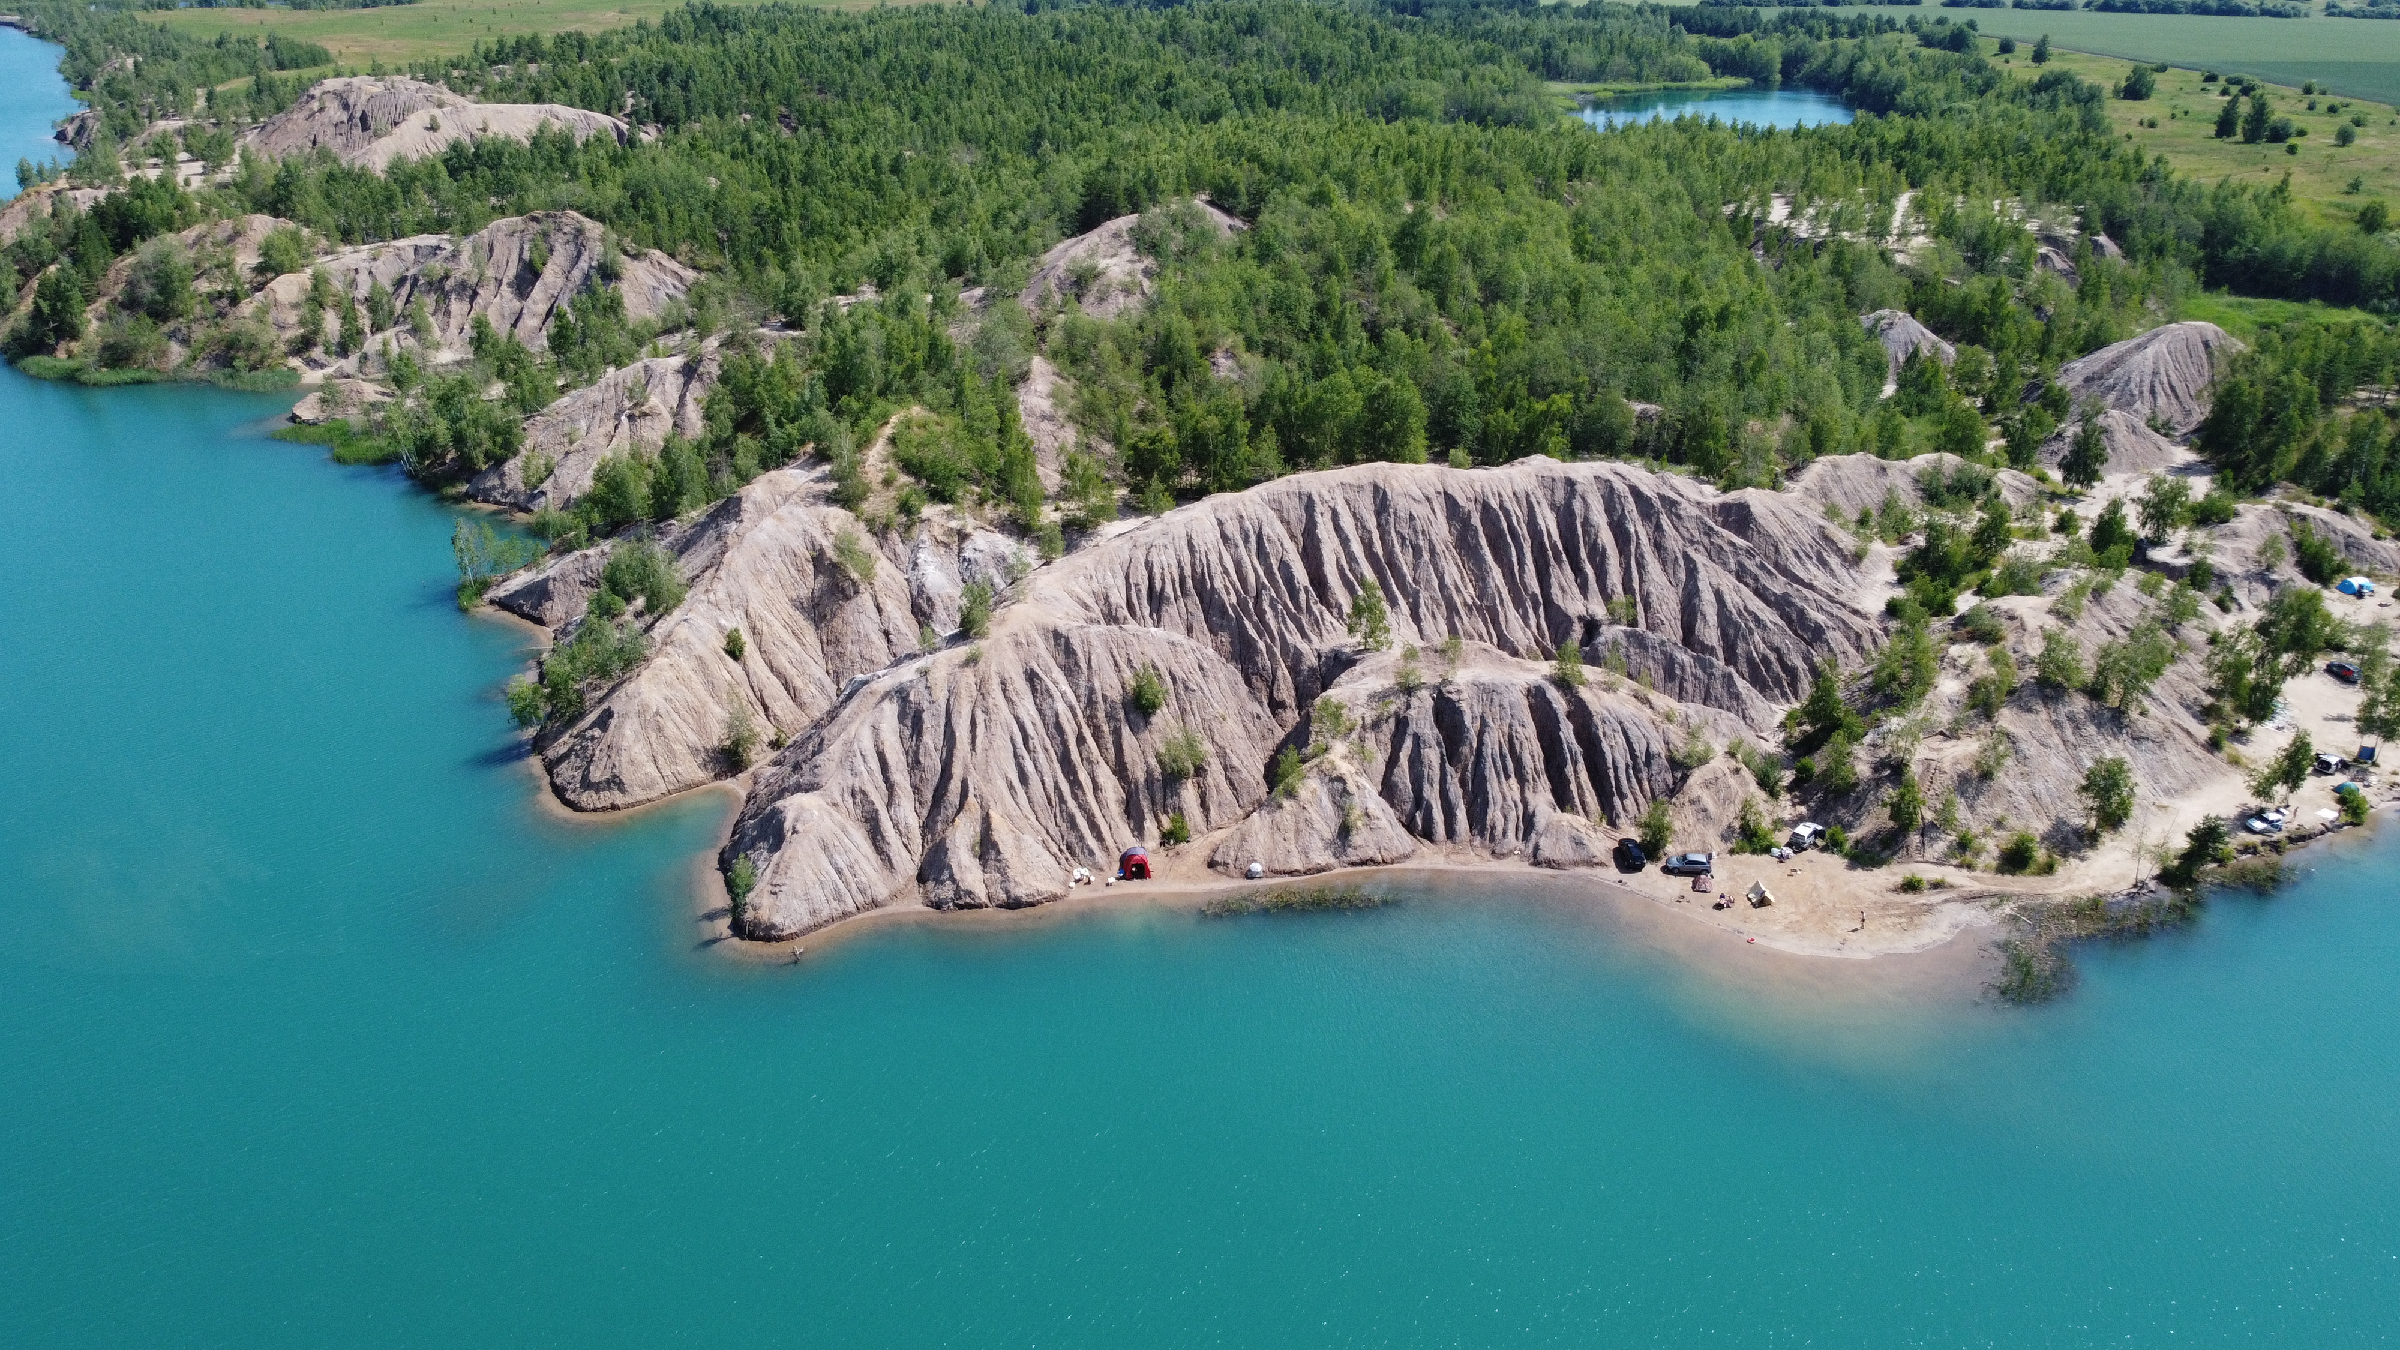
[[518, 274], [2164, 375], [984, 774], [372, 121]]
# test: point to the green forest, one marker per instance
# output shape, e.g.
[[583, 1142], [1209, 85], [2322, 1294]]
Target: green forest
[[1437, 260]]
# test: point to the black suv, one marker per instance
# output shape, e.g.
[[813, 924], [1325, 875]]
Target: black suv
[[1630, 857]]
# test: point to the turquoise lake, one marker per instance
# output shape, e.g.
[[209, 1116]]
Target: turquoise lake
[[1781, 109], [316, 1029]]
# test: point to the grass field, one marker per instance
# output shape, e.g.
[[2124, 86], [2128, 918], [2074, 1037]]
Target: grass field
[[2358, 57], [401, 33], [2186, 113]]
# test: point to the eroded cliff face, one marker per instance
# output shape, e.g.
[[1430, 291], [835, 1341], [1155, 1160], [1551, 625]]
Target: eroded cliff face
[[985, 774], [627, 411], [372, 121], [518, 274]]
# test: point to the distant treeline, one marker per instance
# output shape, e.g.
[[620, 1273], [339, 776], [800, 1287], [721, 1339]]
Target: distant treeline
[[1438, 262]]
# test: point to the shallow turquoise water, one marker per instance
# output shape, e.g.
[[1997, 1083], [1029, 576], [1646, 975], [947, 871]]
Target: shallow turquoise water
[[315, 1031], [1782, 109]]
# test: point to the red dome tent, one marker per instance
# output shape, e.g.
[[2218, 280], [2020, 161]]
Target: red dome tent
[[1134, 865]]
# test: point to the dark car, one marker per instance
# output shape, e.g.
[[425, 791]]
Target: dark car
[[1689, 865], [2343, 671], [1630, 857]]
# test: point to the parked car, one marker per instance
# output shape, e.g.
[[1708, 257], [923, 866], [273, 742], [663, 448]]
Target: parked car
[[2331, 763], [1689, 865], [2343, 671], [2266, 822], [1630, 857], [1805, 836]]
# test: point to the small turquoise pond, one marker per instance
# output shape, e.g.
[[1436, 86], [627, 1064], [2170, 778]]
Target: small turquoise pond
[[1778, 108]]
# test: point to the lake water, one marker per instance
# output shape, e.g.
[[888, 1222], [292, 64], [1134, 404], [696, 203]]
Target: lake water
[[316, 1031], [32, 98], [1777, 108]]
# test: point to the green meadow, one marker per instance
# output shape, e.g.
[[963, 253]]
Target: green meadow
[[2356, 57]]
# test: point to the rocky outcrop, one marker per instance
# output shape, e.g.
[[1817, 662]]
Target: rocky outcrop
[[1854, 483], [1901, 335], [984, 776], [762, 561], [628, 411], [1101, 270], [518, 274], [2133, 447], [372, 121], [37, 203], [2164, 375]]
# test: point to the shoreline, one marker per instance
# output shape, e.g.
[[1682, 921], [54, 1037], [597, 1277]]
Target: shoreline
[[1941, 943]]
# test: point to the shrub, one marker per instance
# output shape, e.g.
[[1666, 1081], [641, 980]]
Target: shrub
[[2353, 807], [1371, 618], [740, 745], [735, 647], [1765, 769], [1657, 828], [2319, 558], [1752, 834], [1989, 693], [640, 570], [1408, 678], [1176, 831], [1693, 752], [2022, 853], [851, 551], [1982, 624], [975, 609], [1289, 770], [1148, 692], [740, 881], [1182, 754], [1566, 665]]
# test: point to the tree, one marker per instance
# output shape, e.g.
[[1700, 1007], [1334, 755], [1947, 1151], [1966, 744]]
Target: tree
[[2138, 85], [1657, 828], [2208, 844], [1907, 803], [2166, 507], [2108, 787], [2041, 50], [483, 556], [2288, 770], [2256, 122], [2229, 119], [2373, 215], [2125, 669], [2060, 666], [1371, 618], [57, 316], [2112, 537], [2087, 454]]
